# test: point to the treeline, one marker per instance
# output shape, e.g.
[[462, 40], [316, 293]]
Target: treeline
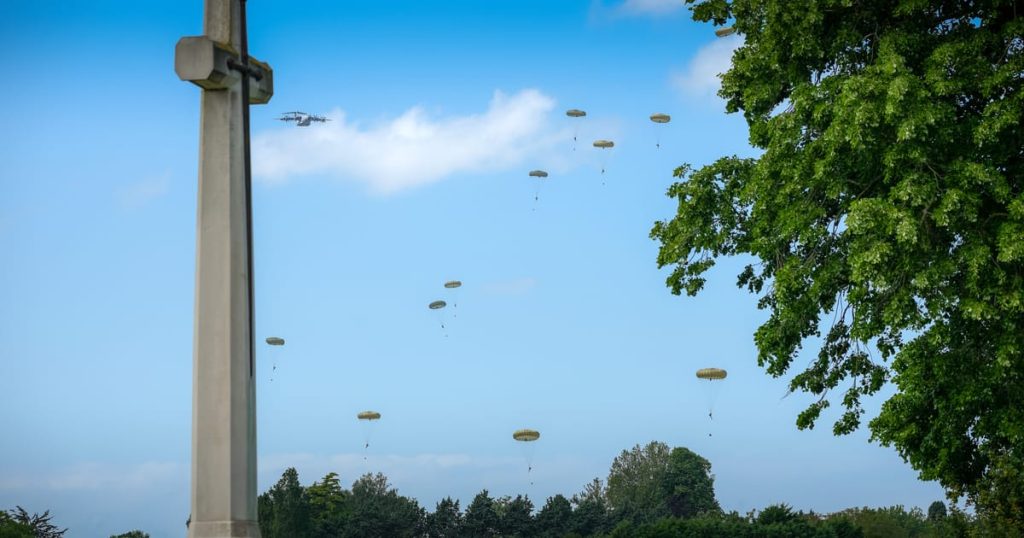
[[651, 492]]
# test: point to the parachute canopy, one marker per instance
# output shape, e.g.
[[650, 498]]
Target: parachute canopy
[[661, 118], [711, 373], [538, 173], [526, 435], [451, 284], [575, 113], [437, 304], [727, 31], [275, 341], [603, 144], [368, 415]]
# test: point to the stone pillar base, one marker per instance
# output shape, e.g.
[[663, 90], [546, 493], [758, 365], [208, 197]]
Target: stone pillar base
[[224, 529]]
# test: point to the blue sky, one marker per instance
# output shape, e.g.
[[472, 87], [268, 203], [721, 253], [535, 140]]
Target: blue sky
[[439, 112]]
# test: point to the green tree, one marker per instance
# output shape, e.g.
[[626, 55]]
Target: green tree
[[378, 510], [555, 518], [39, 523], [688, 485], [446, 520], [886, 214], [635, 483], [284, 510], [480, 519], [132, 534], [590, 510], [936, 511], [9, 528], [515, 516], [328, 507], [776, 513], [891, 522]]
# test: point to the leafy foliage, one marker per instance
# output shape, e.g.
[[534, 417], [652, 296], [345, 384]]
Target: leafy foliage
[[329, 507], [284, 509], [481, 518], [936, 511], [446, 520], [515, 516], [132, 534], [635, 488], [590, 510], [9, 528], [886, 215], [38, 523], [555, 518], [688, 486], [378, 510]]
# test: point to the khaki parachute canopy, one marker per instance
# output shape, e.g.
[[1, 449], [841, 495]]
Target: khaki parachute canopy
[[275, 341], [538, 173], [452, 284], [575, 113], [604, 144], [723, 32], [661, 118], [711, 373], [437, 304], [368, 415], [526, 435]]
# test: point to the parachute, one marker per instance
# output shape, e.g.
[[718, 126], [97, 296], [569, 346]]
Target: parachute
[[274, 341], [660, 118], [526, 437], [539, 174], [603, 145], [712, 375], [438, 306], [454, 286], [723, 32], [575, 113], [367, 418]]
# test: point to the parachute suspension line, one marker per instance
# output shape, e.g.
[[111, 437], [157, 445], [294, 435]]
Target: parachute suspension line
[[527, 437], [711, 375], [541, 175], [454, 286], [438, 306], [367, 418], [660, 119], [576, 114], [603, 145], [274, 341]]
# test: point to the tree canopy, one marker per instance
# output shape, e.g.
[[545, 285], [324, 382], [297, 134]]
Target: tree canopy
[[885, 215]]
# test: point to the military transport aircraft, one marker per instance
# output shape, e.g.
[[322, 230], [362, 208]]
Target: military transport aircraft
[[302, 119]]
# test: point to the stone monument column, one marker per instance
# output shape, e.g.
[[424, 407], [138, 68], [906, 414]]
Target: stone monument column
[[223, 488]]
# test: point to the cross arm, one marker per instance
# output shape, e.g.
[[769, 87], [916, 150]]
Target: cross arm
[[215, 66]]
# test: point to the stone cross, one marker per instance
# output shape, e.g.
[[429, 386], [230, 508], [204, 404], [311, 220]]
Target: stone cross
[[223, 389]]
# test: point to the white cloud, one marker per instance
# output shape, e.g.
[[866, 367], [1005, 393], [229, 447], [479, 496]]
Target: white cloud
[[414, 148], [650, 7], [700, 78], [137, 195], [100, 476]]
